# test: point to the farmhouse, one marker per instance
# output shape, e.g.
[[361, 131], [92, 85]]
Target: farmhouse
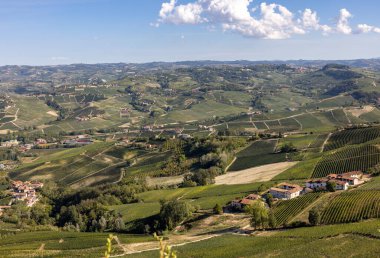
[[240, 204], [352, 178], [321, 184], [11, 143], [286, 191]]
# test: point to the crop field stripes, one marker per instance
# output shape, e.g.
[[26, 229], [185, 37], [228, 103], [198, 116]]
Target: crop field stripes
[[349, 159], [285, 211], [352, 136], [352, 206]]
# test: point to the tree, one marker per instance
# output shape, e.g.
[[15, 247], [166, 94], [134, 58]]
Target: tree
[[287, 148], [217, 209], [119, 224], [259, 214], [269, 199], [331, 186], [314, 217], [272, 221], [174, 212]]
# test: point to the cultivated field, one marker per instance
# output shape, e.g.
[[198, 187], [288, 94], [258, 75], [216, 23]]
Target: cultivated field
[[256, 174]]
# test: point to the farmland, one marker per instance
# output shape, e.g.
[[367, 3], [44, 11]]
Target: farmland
[[348, 159], [284, 211], [196, 137], [290, 243], [352, 206], [353, 136], [258, 153]]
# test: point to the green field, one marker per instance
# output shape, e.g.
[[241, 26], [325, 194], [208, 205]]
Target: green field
[[86, 165], [303, 242], [257, 154], [352, 136], [348, 159]]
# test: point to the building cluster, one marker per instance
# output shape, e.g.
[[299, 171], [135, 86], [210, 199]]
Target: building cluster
[[78, 140], [341, 181], [25, 191], [287, 191]]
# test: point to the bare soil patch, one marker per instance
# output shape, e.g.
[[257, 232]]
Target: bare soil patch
[[256, 174], [52, 113], [356, 112]]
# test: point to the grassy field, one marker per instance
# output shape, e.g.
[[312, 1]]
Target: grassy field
[[86, 165], [257, 154], [203, 196], [61, 244], [303, 242], [201, 111]]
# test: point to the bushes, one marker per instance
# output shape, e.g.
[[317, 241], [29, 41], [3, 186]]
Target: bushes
[[174, 212]]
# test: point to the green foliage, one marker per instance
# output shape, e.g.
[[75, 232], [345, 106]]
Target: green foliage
[[259, 214], [173, 213], [314, 217]]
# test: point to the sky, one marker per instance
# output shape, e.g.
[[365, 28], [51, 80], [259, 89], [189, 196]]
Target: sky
[[50, 32]]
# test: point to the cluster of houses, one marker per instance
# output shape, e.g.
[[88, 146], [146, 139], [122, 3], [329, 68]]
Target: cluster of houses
[[78, 140], [341, 181], [287, 191], [25, 191]]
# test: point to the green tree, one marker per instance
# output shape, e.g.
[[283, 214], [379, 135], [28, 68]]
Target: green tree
[[174, 212], [331, 186], [272, 221], [259, 214], [314, 217], [218, 209]]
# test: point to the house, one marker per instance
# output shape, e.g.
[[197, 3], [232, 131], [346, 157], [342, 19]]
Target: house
[[240, 204], [352, 178], [40, 141], [286, 191], [321, 184], [11, 143], [317, 183]]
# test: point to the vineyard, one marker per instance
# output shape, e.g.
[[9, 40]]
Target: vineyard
[[284, 211], [352, 136], [257, 154], [352, 206], [348, 159]]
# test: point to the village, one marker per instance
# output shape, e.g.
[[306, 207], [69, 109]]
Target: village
[[287, 191], [23, 192]]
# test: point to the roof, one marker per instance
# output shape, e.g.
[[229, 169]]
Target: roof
[[246, 201], [253, 196]]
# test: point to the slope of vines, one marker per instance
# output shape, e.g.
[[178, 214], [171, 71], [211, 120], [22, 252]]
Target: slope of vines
[[284, 211], [352, 136], [352, 206], [348, 159]]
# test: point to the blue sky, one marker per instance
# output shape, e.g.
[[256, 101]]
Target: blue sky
[[39, 32]]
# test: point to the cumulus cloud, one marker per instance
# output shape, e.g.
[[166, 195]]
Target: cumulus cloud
[[181, 14], [343, 23], [267, 21]]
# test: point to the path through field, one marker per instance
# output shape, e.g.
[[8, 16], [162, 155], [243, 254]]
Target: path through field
[[256, 174]]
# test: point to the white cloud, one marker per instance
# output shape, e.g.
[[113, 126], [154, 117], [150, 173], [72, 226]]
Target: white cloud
[[268, 21], [180, 14], [343, 24]]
